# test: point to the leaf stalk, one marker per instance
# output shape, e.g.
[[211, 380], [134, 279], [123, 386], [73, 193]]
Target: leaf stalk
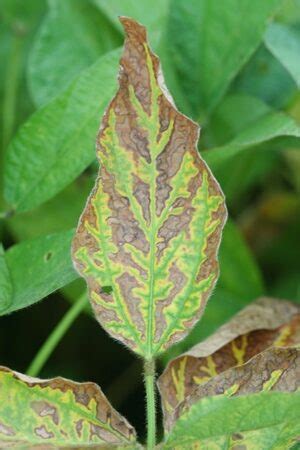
[[149, 375], [56, 336]]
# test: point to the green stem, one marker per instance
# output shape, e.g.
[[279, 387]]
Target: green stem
[[149, 374], [56, 336]]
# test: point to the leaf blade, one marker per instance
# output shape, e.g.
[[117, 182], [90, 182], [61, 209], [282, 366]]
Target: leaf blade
[[284, 43], [72, 36], [209, 45], [142, 219], [59, 412], [49, 256], [271, 126], [53, 147], [242, 414]]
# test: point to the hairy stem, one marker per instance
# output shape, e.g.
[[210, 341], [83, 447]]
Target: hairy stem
[[149, 374], [56, 336]]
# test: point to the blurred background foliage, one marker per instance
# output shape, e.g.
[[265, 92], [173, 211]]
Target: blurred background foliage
[[234, 67]]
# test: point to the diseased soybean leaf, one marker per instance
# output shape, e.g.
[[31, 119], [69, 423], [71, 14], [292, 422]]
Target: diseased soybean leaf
[[56, 144], [219, 364], [74, 34], [147, 241], [267, 128], [39, 267], [284, 43], [5, 282], [57, 412], [253, 422], [211, 41]]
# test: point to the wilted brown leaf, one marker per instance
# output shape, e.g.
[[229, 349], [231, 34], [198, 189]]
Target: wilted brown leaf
[[219, 364]]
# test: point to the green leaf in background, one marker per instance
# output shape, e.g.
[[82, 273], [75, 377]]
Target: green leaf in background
[[18, 23], [236, 113], [211, 40], [57, 143], [265, 77], [59, 412], [233, 114], [240, 274], [267, 420], [5, 282], [74, 35], [51, 217], [284, 42], [39, 267], [270, 126], [152, 14]]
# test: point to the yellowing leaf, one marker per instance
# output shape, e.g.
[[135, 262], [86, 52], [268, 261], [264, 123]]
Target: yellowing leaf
[[147, 240], [57, 412], [248, 354]]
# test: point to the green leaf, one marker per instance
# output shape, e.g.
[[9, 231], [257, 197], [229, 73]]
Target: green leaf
[[58, 412], [18, 23], [38, 267], [5, 282], [239, 271], [234, 113], [73, 35], [153, 14], [51, 217], [211, 41], [267, 420], [265, 77], [56, 144], [148, 238], [266, 128], [284, 42]]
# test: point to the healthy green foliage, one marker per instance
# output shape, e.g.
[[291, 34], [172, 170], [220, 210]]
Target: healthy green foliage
[[284, 42], [219, 39], [268, 418], [54, 146], [48, 270], [268, 127], [85, 34], [152, 14]]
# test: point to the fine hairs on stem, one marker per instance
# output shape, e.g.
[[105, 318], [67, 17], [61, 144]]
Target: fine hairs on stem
[[149, 376]]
